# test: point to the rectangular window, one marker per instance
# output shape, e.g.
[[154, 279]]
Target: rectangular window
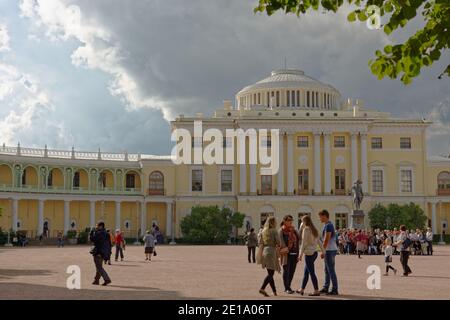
[[259, 98], [288, 98], [278, 98], [377, 180], [303, 181], [266, 184], [406, 180], [268, 99], [293, 98], [130, 181], [317, 99], [302, 141], [339, 142], [313, 102], [197, 180], [76, 180], [405, 143], [339, 184], [377, 143], [298, 98], [226, 180], [341, 221], [307, 99]]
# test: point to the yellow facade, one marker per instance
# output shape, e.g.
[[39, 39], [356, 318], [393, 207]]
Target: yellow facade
[[330, 144]]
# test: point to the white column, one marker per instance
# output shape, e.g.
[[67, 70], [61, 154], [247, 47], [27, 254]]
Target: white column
[[66, 216], [169, 219], [280, 176], [317, 165], [15, 216], [327, 164], [253, 179], [354, 158], [92, 214], [243, 178], [364, 163], [433, 218], [290, 164], [143, 218], [118, 220], [40, 227]]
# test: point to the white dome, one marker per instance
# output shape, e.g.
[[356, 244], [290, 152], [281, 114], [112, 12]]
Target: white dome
[[285, 85], [286, 78]]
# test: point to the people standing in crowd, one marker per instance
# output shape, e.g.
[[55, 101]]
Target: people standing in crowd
[[329, 243], [403, 242], [149, 245], [252, 242], [100, 252], [270, 242], [289, 249], [120, 244], [60, 239], [309, 243], [429, 237], [359, 243], [388, 250]]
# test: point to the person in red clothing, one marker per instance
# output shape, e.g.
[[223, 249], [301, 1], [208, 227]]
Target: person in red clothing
[[359, 238], [120, 244]]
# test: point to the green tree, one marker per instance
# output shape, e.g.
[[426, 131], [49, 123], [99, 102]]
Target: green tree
[[404, 60], [209, 225], [415, 216], [378, 217], [396, 216]]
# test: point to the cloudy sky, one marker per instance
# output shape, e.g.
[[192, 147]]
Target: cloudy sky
[[113, 73]]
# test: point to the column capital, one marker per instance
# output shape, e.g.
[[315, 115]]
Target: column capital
[[327, 133], [317, 133], [363, 135]]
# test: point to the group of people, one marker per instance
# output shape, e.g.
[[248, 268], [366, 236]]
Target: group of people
[[283, 247], [103, 240], [372, 242]]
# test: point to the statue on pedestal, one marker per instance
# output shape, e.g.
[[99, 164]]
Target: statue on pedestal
[[357, 194]]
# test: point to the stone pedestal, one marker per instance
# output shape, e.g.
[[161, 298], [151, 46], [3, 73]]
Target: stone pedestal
[[357, 219]]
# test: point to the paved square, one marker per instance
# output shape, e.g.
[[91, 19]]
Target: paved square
[[202, 272]]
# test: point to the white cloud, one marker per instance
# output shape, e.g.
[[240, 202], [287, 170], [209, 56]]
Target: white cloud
[[4, 38]]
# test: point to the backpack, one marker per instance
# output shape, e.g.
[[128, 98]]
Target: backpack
[[406, 244]]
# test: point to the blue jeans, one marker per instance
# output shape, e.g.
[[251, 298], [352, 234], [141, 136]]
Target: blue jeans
[[309, 271], [330, 272]]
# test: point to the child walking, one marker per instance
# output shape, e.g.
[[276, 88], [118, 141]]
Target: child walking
[[149, 244], [388, 251]]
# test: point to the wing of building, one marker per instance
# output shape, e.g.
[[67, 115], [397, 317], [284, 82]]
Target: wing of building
[[325, 145]]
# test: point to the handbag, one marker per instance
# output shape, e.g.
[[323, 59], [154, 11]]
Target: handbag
[[259, 254]]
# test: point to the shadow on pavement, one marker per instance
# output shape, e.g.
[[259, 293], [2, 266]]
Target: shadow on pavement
[[21, 291], [11, 273]]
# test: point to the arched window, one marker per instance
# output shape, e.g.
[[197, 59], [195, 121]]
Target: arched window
[[156, 183], [444, 183]]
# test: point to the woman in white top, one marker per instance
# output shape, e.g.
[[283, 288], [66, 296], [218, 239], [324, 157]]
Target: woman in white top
[[310, 242]]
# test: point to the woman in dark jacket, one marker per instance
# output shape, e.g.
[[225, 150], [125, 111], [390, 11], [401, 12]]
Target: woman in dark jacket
[[289, 250], [101, 252]]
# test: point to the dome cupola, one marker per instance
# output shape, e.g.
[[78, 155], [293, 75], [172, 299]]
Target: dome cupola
[[288, 88]]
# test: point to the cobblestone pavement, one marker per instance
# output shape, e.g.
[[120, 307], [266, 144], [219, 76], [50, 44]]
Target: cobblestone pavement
[[203, 272]]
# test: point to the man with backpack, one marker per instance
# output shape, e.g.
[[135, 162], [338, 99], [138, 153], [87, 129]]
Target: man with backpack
[[404, 242]]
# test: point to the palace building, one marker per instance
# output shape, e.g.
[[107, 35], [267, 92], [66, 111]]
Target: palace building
[[325, 145]]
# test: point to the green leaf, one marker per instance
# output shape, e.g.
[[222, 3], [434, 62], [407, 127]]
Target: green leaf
[[352, 16], [388, 49]]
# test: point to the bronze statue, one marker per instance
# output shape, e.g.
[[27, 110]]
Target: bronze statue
[[357, 194]]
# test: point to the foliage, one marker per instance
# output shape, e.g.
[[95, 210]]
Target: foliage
[[404, 60], [411, 215], [71, 234], [82, 237], [210, 225]]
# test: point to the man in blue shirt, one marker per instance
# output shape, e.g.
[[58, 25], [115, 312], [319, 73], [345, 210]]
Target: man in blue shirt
[[329, 243]]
